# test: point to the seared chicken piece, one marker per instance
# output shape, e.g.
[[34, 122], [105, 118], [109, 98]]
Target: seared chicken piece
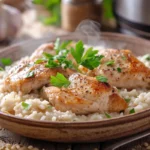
[[45, 48], [85, 95], [29, 76], [125, 71]]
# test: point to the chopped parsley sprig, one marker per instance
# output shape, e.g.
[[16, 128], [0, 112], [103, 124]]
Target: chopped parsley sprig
[[107, 115], [59, 80], [6, 61], [26, 106], [58, 46], [110, 63], [102, 78], [89, 59], [132, 111], [30, 74], [147, 57]]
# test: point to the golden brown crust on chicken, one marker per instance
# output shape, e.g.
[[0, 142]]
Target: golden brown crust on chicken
[[18, 80], [85, 95], [131, 74]]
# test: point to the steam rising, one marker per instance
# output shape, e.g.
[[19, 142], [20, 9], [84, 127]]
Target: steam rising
[[91, 30]]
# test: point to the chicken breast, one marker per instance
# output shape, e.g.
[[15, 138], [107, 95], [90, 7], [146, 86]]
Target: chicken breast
[[85, 95], [123, 70], [45, 48], [29, 76]]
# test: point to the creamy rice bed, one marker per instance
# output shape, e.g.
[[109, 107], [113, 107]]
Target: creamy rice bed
[[40, 109]]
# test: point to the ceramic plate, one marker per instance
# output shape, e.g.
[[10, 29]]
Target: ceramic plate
[[79, 131]]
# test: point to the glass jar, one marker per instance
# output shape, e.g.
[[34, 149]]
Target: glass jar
[[75, 11]]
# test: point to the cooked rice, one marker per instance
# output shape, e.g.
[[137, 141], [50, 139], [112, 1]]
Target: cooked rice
[[40, 109]]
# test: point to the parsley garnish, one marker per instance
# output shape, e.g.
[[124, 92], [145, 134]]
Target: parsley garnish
[[119, 69], [89, 59], [49, 107], [47, 56], [110, 63], [107, 115], [26, 106], [124, 57], [59, 60], [101, 78], [61, 46], [6, 61], [78, 51], [39, 61], [1, 69], [59, 80], [148, 58], [30, 74], [132, 111], [127, 100]]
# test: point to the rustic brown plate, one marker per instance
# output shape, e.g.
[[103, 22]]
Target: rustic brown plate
[[81, 131]]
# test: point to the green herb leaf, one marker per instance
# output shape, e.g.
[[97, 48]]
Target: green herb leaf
[[90, 59], [110, 63], [59, 80], [78, 51], [89, 53], [107, 115], [1, 69], [127, 100], [65, 44], [132, 111], [51, 64], [148, 58], [49, 107], [91, 63], [38, 61], [57, 44], [119, 69], [47, 56], [6, 61], [26, 106], [102, 79], [124, 57], [30, 74], [61, 46]]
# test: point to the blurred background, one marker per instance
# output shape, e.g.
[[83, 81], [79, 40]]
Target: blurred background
[[25, 19]]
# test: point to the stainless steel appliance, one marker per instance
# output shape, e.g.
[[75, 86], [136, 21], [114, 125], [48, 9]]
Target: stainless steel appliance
[[133, 16]]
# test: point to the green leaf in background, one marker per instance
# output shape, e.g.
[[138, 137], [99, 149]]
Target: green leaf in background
[[108, 10], [53, 6], [6, 61]]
